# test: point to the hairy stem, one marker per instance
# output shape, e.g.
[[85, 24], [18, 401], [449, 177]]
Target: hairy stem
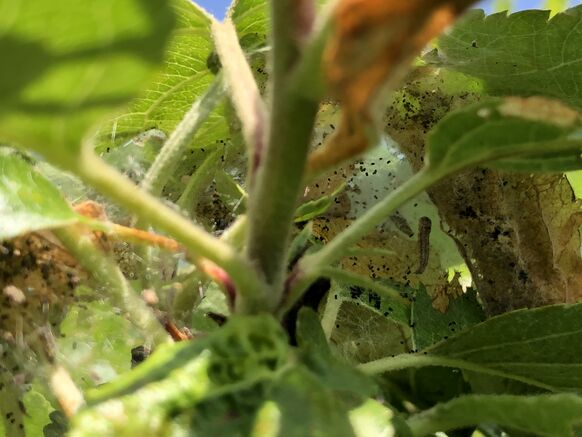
[[408, 361], [173, 150], [281, 167], [149, 209]]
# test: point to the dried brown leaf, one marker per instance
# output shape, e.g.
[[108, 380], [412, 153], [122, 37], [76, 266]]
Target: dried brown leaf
[[370, 50]]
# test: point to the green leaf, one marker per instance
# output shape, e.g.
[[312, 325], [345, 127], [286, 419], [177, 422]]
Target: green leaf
[[372, 419], [245, 350], [229, 369], [38, 409], [300, 243], [67, 64], [575, 179], [176, 146], [28, 202], [549, 163], [431, 385], [214, 301], [250, 17], [183, 78], [315, 208], [333, 372], [540, 347], [308, 407], [135, 156], [520, 54], [545, 415], [310, 336], [150, 410], [430, 326], [231, 192], [540, 133], [543, 345]]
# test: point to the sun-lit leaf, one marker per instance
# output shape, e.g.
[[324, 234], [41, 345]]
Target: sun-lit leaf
[[520, 54], [184, 76], [36, 403], [372, 419], [575, 179], [545, 415], [67, 65], [28, 202], [250, 17]]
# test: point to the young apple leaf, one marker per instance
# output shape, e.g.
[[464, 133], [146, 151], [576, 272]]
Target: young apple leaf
[[544, 415], [67, 64], [511, 128], [520, 54], [28, 202], [542, 345]]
